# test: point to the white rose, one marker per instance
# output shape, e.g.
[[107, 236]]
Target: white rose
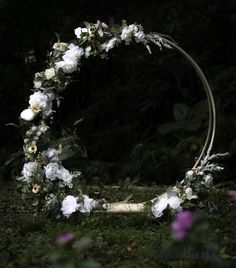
[[65, 176], [49, 73], [38, 101], [67, 66], [29, 169], [87, 205], [74, 53], [159, 207], [51, 171], [27, 115], [169, 198], [175, 202], [69, 205]]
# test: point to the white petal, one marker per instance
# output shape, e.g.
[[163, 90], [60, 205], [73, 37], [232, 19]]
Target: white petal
[[159, 207], [27, 115]]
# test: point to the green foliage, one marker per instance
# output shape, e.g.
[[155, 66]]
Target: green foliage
[[116, 240]]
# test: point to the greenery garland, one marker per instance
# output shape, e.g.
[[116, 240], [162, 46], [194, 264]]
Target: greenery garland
[[44, 178]]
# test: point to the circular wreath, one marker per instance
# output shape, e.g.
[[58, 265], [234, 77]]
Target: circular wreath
[[44, 178]]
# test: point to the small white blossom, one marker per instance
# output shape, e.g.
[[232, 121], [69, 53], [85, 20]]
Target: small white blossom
[[60, 46], [69, 205], [189, 174], [87, 51], [38, 84], [43, 128], [49, 73], [79, 32], [189, 193], [208, 180]]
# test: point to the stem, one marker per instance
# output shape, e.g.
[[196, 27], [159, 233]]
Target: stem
[[211, 104]]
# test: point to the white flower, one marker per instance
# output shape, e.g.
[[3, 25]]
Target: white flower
[[69, 205], [87, 51], [67, 66], [74, 53], [79, 32], [51, 171], [56, 171], [60, 46], [175, 202], [110, 44], [43, 128], [52, 154], [38, 101], [128, 32], [29, 170], [49, 73], [208, 180], [189, 193], [189, 174], [139, 36], [27, 115], [87, 205], [168, 199], [38, 84], [65, 176]]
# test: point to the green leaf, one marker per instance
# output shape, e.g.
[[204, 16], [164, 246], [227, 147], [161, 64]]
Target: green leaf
[[180, 111], [171, 127], [193, 125], [200, 109]]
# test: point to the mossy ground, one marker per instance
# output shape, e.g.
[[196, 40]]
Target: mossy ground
[[111, 240]]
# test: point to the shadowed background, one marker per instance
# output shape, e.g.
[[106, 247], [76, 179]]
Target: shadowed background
[[137, 117]]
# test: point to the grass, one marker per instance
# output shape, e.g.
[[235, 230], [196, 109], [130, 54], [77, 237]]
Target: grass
[[104, 240]]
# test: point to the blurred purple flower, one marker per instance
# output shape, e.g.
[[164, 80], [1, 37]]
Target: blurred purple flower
[[65, 239], [183, 223], [233, 195]]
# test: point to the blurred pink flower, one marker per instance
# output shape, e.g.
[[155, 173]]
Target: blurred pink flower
[[233, 195], [65, 239], [183, 223]]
